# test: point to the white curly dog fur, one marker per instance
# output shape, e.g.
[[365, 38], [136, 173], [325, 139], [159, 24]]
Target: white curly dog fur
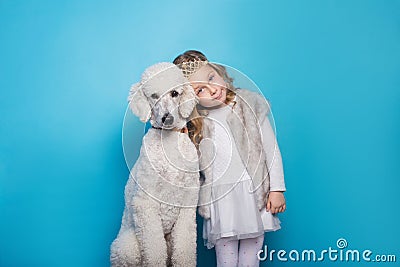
[[159, 221]]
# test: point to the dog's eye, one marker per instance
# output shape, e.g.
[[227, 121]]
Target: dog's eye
[[174, 93], [155, 96]]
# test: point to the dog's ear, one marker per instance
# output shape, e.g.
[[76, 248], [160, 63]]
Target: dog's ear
[[188, 101], [138, 103]]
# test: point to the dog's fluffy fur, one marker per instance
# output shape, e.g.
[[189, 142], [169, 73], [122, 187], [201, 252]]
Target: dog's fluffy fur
[[159, 220]]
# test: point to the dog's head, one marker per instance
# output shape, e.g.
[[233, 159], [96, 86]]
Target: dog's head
[[164, 96]]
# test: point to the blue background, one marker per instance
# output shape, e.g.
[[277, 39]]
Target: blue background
[[330, 69]]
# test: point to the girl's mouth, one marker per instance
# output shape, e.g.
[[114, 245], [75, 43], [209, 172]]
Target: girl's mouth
[[219, 96]]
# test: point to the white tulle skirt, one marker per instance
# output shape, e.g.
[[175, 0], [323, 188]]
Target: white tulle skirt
[[234, 214]]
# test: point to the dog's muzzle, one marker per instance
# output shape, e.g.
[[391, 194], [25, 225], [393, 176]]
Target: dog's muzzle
[[167, 119]]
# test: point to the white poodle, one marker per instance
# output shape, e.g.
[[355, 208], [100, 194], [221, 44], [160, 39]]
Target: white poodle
[[159, 221]]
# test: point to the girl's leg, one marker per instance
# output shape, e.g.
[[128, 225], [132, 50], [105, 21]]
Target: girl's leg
[[227, 252], [248, 251]]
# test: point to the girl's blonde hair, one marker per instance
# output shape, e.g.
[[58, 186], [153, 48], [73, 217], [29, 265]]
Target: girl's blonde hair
[[195, 123]]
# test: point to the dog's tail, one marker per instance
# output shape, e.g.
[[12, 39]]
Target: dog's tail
[[125, 250]]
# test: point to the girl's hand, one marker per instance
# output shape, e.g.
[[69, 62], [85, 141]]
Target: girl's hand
[[276, 202]]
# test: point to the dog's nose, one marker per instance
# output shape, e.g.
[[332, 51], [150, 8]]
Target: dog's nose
[[167, 119]]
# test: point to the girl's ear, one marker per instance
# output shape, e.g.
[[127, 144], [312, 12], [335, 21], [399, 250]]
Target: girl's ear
[[188, 101], [138, 103]]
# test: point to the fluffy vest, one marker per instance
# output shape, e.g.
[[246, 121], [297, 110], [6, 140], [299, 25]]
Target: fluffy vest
[[244, 122]]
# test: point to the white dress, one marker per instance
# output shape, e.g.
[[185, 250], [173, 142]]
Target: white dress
[[234, 213]]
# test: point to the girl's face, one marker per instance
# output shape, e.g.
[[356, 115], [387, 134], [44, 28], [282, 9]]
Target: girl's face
[[209, 87]]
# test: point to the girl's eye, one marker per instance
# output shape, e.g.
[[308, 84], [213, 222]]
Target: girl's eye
[[199, 91], [174, 93]]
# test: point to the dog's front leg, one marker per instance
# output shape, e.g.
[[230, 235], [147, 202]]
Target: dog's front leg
[[149, 232], [183, 237]]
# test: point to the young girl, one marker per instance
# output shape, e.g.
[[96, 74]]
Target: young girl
[[241, 163]]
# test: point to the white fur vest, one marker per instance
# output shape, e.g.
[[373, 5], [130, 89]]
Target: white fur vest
[[248, 113]]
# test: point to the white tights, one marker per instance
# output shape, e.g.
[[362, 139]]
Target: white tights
[[230, 253]]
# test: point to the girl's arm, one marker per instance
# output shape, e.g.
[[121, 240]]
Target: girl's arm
[[274, 158], [276, 201]]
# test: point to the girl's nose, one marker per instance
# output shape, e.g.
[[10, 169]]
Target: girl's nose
[[211, 89]]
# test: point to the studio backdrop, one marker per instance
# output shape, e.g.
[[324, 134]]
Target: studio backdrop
[[330, 70]]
